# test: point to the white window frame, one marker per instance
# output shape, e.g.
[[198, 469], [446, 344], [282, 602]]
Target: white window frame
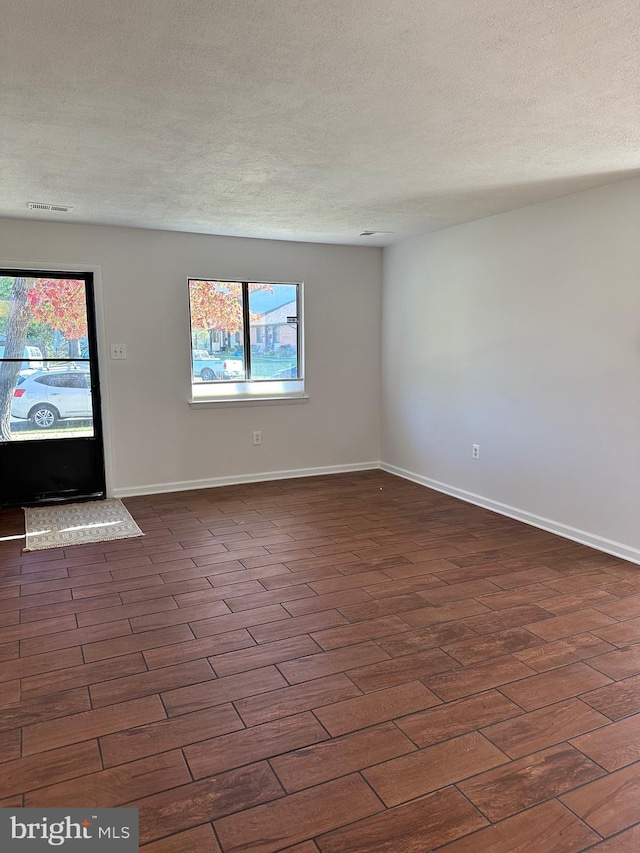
[[257, 391]]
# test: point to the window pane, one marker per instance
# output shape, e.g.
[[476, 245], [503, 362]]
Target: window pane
[[52, 402], [273, 313], [216, 331], [42, 319], [51, 315]]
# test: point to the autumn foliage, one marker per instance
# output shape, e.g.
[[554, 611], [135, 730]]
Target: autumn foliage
[[217, 305], [60, 303]]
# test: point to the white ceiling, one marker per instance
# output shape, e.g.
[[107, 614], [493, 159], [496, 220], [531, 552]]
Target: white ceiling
[[313, 119]]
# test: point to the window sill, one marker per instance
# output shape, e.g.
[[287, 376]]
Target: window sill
[[232, 402]]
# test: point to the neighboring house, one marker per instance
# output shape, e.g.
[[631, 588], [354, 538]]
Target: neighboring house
[[271, 329]]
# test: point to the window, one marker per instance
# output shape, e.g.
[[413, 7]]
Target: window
[[63, 380], [245, 340], [44, 357]]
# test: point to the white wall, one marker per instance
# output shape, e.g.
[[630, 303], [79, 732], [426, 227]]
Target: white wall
[[521, 333], [156, 438]]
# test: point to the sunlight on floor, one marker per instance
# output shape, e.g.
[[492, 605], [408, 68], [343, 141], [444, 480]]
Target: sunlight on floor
[[85, 526]]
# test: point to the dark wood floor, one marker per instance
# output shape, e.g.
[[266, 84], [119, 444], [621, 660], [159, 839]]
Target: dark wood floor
[[349, 664]]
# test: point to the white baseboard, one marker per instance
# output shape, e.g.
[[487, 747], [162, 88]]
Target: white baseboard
[[215, 482], [617, 549]]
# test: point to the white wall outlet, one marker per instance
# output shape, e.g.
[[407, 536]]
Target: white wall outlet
[[118, 351], [475, 451], [257, 436]]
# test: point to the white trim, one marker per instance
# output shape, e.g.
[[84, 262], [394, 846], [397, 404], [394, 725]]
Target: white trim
[[229, 394], [591, 540], [230, 402], [215, 482], [617, 549]]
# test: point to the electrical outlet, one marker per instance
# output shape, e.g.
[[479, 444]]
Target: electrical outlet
[[118, 351], [257, 436], [475, 451]]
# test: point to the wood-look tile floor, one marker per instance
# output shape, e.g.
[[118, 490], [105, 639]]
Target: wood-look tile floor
[[346, 664]]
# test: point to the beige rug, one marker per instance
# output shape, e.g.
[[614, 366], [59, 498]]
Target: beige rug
[[78, 524]]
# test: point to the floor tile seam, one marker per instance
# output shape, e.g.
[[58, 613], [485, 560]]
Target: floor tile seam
[[290, 713], [118, 701], [584, 785], [421, 795], [530, 710], [550, 745], [442, 787], [172, 786], [613, 719], [320, 650], [392, 720], [604, 769], [601, 838], [589, 631], [310, 838], [555, 799], [33, 755], [520, 810], [483, 689]]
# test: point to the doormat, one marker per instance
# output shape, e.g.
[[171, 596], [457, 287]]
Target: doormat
[[78, 524]]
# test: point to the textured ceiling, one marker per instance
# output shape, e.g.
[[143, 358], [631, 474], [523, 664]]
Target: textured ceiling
[[313, 119]]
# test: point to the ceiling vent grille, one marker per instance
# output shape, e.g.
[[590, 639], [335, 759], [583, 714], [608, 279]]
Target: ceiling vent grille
[[55, 208]]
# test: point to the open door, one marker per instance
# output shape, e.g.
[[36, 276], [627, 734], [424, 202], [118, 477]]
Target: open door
[[51, 444]]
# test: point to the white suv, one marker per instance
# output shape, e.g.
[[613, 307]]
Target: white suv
[[45, 397]]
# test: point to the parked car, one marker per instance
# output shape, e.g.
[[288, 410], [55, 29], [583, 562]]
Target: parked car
[[48, 396], [211, 368], [233, 368], [206, 366]]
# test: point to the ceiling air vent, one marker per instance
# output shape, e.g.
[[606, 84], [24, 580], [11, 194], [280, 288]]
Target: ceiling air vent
[[371, 233], [55, 208]]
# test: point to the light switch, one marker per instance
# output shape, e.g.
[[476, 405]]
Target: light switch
[[118, 351]]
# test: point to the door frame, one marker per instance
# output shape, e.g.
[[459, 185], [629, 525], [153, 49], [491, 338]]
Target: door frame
[[101, 341]]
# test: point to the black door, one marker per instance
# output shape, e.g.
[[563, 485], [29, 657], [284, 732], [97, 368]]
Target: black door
[[51, 445]]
